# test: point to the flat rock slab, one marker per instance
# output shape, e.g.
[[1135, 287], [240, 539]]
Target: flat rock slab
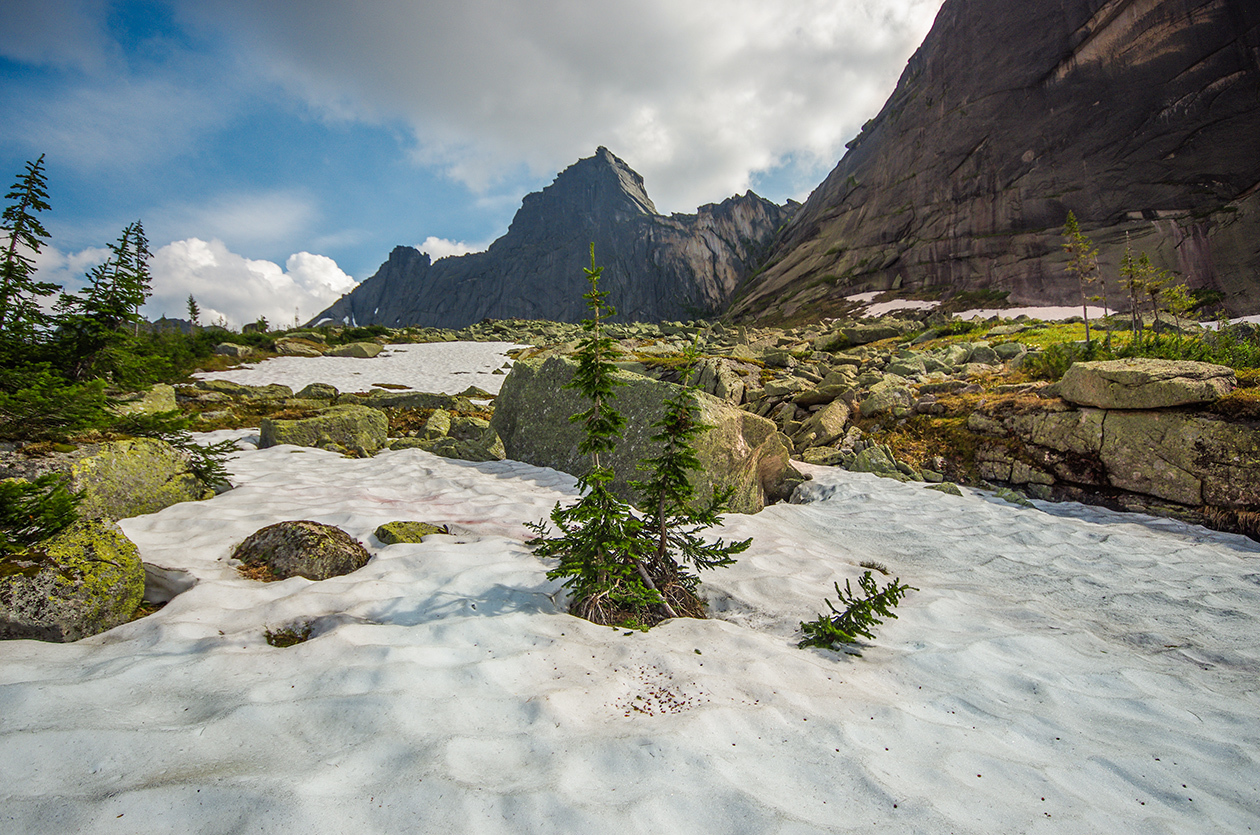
[[1145, 383]]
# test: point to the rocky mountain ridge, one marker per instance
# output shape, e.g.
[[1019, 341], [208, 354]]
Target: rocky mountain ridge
[[1140, 116], [656, 267]]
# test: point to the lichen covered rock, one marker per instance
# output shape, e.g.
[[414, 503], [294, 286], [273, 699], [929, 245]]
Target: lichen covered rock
[[85, 580], [303, 549], [356, 428], [360, 350], [394, 533], [1142, 383], [128, 478]]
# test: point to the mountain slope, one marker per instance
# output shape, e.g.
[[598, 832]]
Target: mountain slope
[[655, 267], [1141, 116]]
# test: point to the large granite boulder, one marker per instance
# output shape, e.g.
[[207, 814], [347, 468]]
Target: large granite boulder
[[84, 580], [289, 347], [1142, 383], [357, 428], [359, 350], [128, 478], [303, 549], [740, 450]]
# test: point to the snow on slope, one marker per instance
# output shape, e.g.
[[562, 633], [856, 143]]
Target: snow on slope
[[1061, 669]]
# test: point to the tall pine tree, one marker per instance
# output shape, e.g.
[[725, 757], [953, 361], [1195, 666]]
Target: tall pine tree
[[21, 317]]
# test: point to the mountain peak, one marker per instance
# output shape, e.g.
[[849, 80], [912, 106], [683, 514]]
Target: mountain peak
[[601, 182]]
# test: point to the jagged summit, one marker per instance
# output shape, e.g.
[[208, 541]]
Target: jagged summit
[[656, 267]]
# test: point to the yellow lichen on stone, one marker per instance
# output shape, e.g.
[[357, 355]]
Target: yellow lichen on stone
[[85, 580], [134, 477]]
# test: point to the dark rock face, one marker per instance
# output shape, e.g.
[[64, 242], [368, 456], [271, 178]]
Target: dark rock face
[[655, 267], [1140, 116]]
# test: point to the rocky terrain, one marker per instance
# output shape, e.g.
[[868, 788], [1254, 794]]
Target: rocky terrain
[[660, 267], [1140, 116]]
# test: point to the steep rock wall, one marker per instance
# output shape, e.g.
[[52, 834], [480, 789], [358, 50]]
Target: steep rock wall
[[1141, 116]]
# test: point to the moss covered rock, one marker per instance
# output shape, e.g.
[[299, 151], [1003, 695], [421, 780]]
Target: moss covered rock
[[740, 450], [85, 580], [393, 533], [356, 428], [361, 350], [128, 478], [303, 549]]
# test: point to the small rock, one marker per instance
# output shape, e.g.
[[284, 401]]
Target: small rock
[[303, 549]]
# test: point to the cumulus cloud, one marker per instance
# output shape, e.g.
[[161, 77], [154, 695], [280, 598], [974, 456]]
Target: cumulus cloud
[[239, 289], [68, 269], [703, 97], [441, 247]]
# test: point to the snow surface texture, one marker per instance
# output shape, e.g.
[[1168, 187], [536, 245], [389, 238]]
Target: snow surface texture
[[437, 367], [1061, 669]]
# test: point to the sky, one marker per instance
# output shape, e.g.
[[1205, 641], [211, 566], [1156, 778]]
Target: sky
[[276, 152]]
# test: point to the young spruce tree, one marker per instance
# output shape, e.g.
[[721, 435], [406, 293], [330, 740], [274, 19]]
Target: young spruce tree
[[674, 521], [600, 543]]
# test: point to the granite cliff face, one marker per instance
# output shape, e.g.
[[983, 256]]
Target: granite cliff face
[[655, 267], [1141, 116]]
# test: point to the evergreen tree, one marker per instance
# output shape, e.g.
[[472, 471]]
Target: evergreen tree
[[194, 311], [1082, 260], [860, 615], [601, 544], [672, 520], [94, 323], [21, 317]]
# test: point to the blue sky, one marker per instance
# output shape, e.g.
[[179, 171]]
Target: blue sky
[[276, 151]]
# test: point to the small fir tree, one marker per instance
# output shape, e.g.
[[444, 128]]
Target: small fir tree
[[1131, 279], [600, 544], [194, 312], [673, 519], [862, 612], [21, 316], [1083, 261]]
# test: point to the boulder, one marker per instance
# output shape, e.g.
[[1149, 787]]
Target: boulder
[[824, 427], [740, 450], [358, 428], [718, 378], [298, 348], [128, 478], [361, 350], [231, 349], [1141, 383], [886, 396], [160, 398], [394, 533], [318, 391], [303, 549], [437, 426], [1186, 458], [84, 580]]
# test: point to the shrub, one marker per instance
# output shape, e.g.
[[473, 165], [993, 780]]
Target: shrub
[[31, 511], [860, 614]]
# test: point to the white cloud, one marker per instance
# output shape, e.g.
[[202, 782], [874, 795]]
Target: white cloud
[[700, 97], [240, 289], [68, 269], [441, 247]]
